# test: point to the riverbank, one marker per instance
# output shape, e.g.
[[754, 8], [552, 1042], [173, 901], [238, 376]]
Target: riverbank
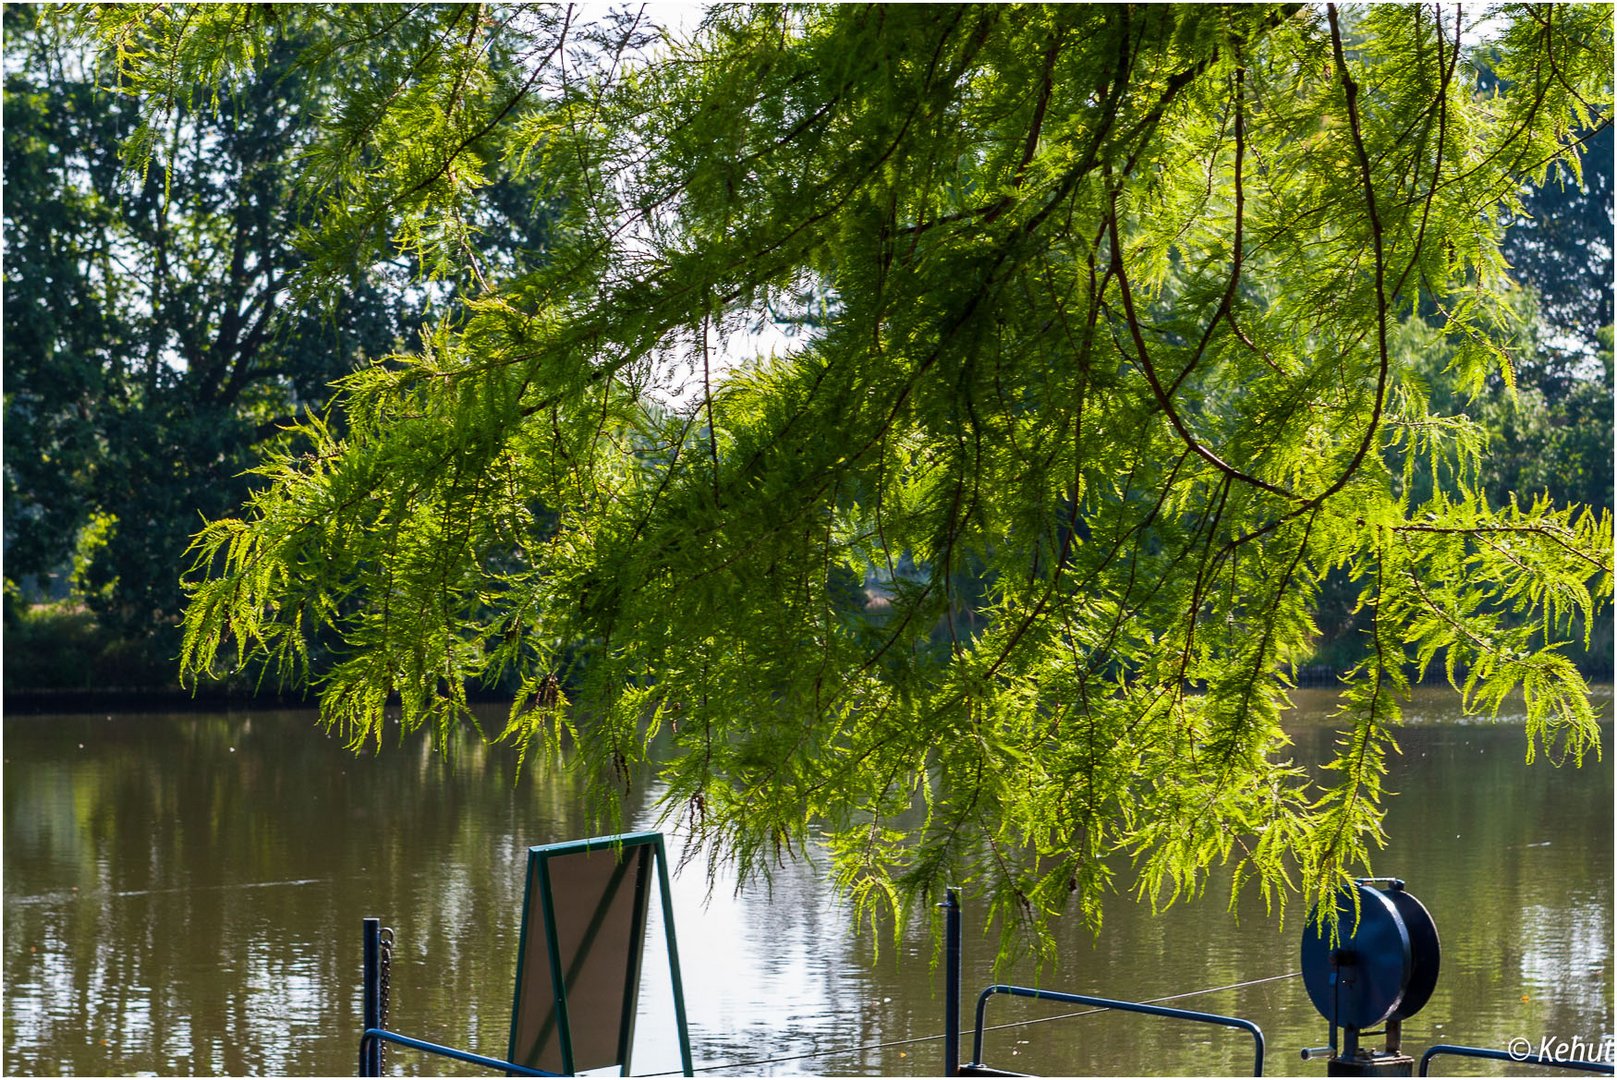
[[57, 660], [37, 702], [216, 699]]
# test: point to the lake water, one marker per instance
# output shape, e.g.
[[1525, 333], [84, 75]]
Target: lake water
[[183, 895]]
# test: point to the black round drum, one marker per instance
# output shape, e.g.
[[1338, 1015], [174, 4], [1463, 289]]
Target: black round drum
[[1383, 966]]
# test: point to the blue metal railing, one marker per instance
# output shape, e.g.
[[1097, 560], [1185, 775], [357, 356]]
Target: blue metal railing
[[374, 1034], [370, 1046], [951, 1006], [1122, 1006], [1443, 1050]]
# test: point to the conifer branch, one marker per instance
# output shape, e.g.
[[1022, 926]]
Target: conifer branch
[[1144, 357], [1350, 89], [494, 121], [1226, 303], [1445, 80], [1555, 537], [508, 502]]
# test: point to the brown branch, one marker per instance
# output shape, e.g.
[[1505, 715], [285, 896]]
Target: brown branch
[[1479, 530], [1226, 303], [1158, 391], [1350, 90]]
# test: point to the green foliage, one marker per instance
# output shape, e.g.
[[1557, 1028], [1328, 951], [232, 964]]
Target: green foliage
[[162, 319], [146, 350], [1562, 249], [63, 646], [1108, 311]]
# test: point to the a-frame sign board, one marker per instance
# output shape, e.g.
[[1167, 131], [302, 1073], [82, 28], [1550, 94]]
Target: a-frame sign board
[[583, 941]]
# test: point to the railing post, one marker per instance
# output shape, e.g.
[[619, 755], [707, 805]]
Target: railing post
[[951, 983], [370, 1052]]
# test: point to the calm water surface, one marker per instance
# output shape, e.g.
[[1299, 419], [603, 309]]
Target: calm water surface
[[183, 895]]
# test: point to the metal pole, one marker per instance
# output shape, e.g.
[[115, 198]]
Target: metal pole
[[371, 980], [951, 985], [667, 898]]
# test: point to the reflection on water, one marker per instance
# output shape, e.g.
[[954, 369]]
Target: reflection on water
[[183, 894]]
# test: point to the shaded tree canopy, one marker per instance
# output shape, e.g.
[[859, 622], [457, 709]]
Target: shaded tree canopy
[[150, 346], [147, 351], [1556, 434], [1562, 248], [1113, 310]]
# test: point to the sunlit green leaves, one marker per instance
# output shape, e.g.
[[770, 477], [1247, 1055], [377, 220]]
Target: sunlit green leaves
[[995, 577]]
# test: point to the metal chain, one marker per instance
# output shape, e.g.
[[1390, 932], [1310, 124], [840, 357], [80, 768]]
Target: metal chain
[[386, 967]]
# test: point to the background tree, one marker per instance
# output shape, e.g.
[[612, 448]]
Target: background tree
[[153, 345], [1561, 246], [1114, 307], [147, 349], [1556, 436]]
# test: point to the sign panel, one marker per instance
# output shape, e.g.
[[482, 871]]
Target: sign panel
[[583, 938]]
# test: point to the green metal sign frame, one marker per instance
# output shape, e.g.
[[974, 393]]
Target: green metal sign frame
[[600, 911]]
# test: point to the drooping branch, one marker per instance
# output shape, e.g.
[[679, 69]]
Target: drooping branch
[[1444, 82], [1226, 303], [1383, 353], [1490, 530], [1350, 89], [1143, 355]]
